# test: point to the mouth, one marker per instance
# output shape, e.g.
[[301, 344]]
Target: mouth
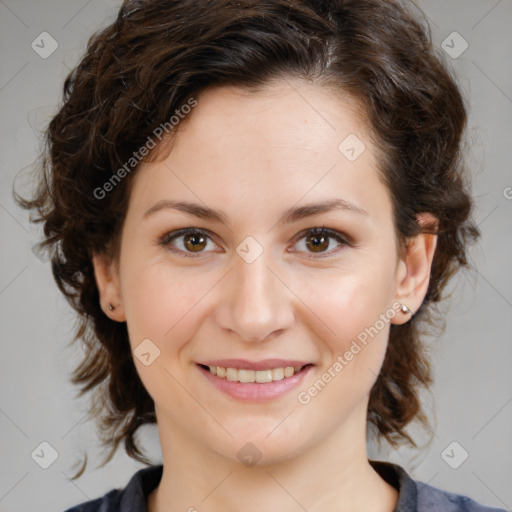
[[255, 385], [248, 375]]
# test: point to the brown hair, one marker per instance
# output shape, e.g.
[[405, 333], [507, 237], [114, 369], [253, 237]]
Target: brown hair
[[158, 54]]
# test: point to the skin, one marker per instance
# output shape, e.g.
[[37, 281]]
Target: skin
[[254, 155]]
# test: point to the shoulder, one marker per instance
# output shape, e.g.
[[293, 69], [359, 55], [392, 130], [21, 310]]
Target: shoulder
[[417, 496], [110, 502], [130, 499], [432, 498]]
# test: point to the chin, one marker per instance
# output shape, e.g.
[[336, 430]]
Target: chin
[[255, 446]]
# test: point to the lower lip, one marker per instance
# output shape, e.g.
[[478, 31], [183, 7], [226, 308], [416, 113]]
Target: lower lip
[[254, 391]]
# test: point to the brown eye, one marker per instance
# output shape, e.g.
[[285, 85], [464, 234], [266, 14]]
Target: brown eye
[[194, 243], [188, 242], [317, 243]]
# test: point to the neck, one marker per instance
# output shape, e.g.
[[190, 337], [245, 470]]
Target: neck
[[333, 475]]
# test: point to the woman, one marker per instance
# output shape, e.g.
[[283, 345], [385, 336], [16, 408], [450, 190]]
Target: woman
[[254, 207]]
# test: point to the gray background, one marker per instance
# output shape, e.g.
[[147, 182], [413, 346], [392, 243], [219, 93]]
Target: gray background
[[472, 395]]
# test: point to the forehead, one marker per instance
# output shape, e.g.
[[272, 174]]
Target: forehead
[[288, 114], [268, 147]]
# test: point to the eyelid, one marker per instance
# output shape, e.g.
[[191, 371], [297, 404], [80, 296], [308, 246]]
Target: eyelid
[[166, 239], [341, 238]]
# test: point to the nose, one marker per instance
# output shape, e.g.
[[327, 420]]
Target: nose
[[256, 304]]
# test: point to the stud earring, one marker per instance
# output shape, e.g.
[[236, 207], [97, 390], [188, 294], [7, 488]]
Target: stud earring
[[110, 307], [404, 309]]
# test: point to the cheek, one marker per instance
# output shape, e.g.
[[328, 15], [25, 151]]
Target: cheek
[[346, 301], [163, 304], [355, 342], [352, 309], [145, 300]]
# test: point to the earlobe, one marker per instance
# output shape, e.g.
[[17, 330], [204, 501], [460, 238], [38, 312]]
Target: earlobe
[[413, 272], [107, 281]]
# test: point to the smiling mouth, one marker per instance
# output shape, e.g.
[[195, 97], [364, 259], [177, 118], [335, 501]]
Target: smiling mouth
[[254, 376]]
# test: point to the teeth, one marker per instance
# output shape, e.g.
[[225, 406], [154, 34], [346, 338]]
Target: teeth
[[261, 376], [231, 374], [278, 374], [246, 375], [288, 371]]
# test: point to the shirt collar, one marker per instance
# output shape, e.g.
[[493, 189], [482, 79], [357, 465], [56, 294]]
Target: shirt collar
[[397, 477], [139, 487], [144, 481]]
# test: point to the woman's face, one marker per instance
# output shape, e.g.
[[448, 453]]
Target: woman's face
[[251, 283]]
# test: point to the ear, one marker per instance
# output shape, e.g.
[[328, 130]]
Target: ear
[[413, 270], [106, 273]]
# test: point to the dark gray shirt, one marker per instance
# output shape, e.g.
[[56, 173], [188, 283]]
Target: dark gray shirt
[[414, 496]]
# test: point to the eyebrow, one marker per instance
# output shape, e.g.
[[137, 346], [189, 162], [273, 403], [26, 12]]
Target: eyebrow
[[293, 214]]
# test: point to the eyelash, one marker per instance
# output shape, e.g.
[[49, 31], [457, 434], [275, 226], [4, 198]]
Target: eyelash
[[166, 239]]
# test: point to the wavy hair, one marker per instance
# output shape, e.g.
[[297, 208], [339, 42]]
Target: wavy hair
[[137, 71]]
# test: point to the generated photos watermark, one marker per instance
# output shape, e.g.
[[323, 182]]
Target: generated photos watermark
[[342, 360], [159, 132]]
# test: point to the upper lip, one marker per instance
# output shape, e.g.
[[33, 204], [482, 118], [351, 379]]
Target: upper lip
[[244, 364]]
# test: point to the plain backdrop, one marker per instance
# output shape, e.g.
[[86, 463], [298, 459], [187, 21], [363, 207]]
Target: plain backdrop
[[472, 396]]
